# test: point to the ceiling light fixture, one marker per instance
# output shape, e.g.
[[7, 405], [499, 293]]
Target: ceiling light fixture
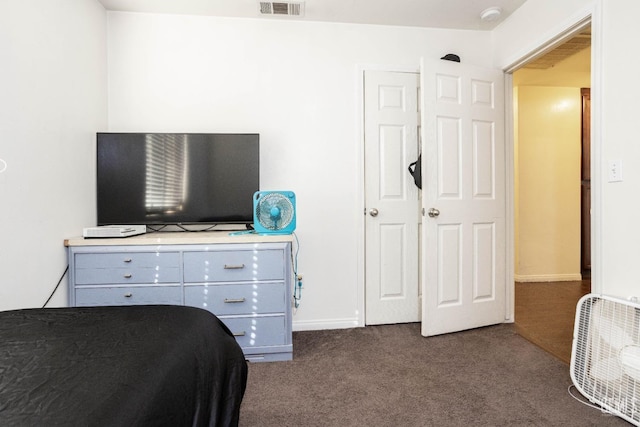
[[491, 14]]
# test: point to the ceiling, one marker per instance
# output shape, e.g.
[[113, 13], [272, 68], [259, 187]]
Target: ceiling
[[452, 14], [576, 44]]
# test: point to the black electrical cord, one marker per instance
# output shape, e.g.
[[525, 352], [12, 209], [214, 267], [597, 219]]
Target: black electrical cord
[[56, 288], [179, 228]]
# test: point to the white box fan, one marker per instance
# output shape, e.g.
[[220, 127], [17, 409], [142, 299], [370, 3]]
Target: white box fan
[[605, 356]]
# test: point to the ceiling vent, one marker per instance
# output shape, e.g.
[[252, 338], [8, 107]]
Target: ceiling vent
[[281, 8]]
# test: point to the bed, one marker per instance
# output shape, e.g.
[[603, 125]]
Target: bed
[[119, 366]]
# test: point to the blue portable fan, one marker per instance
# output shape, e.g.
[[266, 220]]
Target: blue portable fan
[[274, 212]]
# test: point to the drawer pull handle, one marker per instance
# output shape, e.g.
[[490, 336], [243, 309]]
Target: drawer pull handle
[[127, 260], [239, 334], [233, 266], [233, 300], [127, 276], [128, 295]]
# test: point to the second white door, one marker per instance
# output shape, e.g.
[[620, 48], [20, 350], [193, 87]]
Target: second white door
[[391, 111]]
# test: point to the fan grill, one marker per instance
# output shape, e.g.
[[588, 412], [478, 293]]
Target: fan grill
[[264, 211], [605, 360]]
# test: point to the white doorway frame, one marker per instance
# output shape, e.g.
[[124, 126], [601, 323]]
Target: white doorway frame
[[590, 16]]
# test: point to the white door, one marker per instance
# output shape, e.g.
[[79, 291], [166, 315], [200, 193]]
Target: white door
[[463, 197], [391, 198]]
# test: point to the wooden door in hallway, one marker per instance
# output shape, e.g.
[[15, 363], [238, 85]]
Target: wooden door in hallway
[[585, 185]]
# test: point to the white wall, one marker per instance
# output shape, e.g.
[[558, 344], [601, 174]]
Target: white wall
[[297, 84], [52, 101], [538, 265], [614, 107], [620, 140], [548, 175]]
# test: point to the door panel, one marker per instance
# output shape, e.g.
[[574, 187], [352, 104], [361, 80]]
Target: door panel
[[464, 181], [449, 245], [450, 161], [484, 260], [391, 198]]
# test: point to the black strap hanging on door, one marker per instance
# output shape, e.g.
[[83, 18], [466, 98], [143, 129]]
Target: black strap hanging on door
[[415, 169]]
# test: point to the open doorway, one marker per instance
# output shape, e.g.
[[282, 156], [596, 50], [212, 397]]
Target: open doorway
[[551, 170]]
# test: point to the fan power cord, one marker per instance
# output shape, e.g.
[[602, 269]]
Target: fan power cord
[[584, 402], [297, 291]]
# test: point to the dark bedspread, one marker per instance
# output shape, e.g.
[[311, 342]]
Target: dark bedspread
[[119, 366]]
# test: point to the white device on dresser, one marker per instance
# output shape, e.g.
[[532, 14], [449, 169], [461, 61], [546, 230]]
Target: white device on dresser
[[109, 231], [246, 281]]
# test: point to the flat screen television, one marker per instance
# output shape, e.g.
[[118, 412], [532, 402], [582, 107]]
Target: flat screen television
[[176, 178]]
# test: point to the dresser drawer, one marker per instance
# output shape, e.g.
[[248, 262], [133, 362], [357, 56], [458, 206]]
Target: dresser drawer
[[257, 331], [230, 266], [97, 276], [127, 259], [237, 299], [128, 295]]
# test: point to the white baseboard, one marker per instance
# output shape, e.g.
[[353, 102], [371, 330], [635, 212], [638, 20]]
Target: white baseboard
[[317, 325], [547, 277]]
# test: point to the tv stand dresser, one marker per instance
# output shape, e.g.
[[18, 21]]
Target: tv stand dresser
[[244, 279]]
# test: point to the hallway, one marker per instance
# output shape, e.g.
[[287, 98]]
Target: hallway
[[545, 312]]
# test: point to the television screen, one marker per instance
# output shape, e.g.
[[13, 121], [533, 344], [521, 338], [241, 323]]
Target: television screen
[[170, 178]]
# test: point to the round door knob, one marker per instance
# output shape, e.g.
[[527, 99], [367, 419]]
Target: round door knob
[[433, 213], [373, 212]]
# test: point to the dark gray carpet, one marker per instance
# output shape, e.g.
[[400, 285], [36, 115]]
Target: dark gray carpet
[[391, 376]]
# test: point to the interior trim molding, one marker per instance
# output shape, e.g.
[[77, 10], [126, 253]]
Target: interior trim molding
[[568, 277], [318, 325], [552, 39]]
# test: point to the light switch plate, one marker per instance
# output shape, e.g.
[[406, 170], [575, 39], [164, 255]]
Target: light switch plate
[[615, 170]]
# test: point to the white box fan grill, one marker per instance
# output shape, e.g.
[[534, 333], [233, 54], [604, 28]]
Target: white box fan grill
[[605, 357]]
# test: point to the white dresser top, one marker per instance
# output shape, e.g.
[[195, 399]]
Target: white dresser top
[[180, 238]]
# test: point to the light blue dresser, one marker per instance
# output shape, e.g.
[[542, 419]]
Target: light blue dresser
[[244, 280]]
